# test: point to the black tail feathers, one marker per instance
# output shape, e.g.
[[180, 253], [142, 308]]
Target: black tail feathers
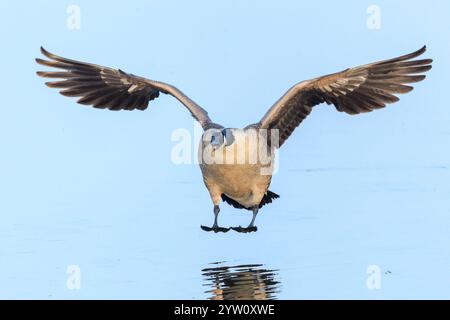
[[269, 196]]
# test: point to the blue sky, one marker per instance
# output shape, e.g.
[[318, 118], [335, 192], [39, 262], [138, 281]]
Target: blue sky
[[85, 186]]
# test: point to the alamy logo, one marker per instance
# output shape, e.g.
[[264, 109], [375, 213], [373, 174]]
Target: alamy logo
[[374, 277], [374, 19], [74, 277], [73, 21], [227, 146]]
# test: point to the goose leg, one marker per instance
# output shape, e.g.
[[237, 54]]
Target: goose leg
[[251, 227], [215, 228], [255, 213]]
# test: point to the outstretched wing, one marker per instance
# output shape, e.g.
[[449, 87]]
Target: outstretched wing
[[353, 91], [107, 88]]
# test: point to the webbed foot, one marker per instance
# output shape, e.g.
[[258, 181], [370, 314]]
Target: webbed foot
[[245, 230], [215, 229]]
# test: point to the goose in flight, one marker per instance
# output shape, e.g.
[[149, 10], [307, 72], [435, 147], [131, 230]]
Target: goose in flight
[[231, 161]]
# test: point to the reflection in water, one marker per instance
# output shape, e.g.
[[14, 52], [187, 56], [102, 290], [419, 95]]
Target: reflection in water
[[244, 282]]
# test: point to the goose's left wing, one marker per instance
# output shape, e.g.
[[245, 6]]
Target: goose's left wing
[[353, 91]]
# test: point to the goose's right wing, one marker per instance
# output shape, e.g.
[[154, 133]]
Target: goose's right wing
[[107, 88]]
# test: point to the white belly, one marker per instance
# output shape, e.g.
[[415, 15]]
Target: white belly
[[239, 171]]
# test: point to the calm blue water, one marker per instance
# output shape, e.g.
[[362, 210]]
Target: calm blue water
[[96, 191]]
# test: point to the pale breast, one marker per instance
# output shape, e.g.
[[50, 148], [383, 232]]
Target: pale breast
[[236, 170]]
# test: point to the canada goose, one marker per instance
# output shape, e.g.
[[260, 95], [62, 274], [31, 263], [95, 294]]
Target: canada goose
[[237, 180]]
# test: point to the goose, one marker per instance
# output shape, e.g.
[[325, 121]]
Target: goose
[[230, 159]]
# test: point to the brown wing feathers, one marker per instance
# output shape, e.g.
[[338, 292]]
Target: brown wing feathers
[[98, 86], [356, 90], [353, 91], [370, 87], [112, 89]]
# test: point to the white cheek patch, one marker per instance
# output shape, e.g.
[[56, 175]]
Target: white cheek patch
[[229, 137]]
